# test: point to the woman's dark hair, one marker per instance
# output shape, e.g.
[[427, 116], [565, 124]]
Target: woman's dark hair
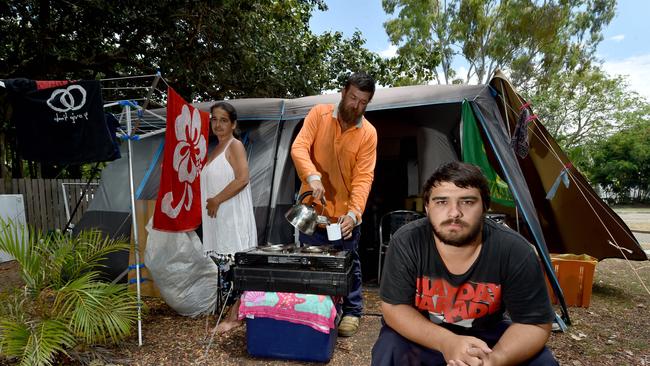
[[362, 81], [461, 174], [232, 114]]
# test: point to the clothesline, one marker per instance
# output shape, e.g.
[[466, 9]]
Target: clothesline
[[146, 123], [131, 77], [112, 103], [125, 87], [116, 101]]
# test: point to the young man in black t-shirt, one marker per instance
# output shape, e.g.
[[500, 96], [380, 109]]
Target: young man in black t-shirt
[[450, 277]]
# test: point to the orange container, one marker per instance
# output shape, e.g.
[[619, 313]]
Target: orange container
[[576, 276]]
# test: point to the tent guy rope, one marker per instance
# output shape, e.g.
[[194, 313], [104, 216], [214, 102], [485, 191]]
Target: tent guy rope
[[583, 192]]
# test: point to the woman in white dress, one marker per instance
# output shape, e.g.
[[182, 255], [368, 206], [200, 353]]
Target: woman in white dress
[[228, 218]]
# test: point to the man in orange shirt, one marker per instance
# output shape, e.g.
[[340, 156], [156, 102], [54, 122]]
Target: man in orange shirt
[[335, 154]]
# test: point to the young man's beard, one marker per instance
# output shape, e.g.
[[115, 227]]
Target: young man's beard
[[458, 241]]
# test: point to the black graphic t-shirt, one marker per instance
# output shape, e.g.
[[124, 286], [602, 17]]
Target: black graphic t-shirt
[[506, 276], [61, 122]]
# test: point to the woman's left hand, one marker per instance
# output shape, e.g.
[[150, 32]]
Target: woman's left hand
[[212, 205]]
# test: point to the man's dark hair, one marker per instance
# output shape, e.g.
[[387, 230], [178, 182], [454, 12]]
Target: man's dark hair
[[362, 81], [461, 174]]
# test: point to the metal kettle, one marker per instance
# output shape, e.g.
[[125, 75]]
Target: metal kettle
[[304, 217]]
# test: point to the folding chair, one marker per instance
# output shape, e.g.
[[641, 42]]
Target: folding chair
[[392, 221]]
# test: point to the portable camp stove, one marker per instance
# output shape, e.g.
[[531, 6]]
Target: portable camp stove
[[290, 268], [290, 256], [275, 248]]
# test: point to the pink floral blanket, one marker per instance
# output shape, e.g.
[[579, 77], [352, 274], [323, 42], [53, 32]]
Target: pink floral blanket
[[315, 311]]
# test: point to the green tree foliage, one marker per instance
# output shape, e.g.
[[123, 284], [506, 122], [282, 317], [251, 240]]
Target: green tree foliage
[[603, 126], [548, 50], [63, 305], [583, 107], [531, 40], [206, 50], [621, 163]]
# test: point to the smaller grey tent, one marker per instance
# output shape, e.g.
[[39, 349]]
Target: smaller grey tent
[[418, 129]]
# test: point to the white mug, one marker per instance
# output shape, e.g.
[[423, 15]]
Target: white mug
[[334, 231]]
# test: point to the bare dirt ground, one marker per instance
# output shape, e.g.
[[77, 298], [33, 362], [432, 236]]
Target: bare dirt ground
[[614, 330]]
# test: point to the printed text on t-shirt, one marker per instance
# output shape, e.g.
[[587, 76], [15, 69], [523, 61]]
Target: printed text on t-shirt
[[470, 300]]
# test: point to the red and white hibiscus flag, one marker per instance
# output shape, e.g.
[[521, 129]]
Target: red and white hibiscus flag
[[178, 207]]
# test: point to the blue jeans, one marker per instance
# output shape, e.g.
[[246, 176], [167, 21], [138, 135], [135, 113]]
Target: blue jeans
[[353, 303], [393, 349]]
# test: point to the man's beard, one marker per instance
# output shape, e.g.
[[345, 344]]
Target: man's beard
[[348, 115], [457, 239]]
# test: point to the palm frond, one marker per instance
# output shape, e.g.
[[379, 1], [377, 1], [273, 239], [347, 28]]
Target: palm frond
[[35, 343], [63, 302], [75, 293], [91, 247], [14, 336], [17, 240], [14, 305], [58, 248], [47, 338], [97, 312]]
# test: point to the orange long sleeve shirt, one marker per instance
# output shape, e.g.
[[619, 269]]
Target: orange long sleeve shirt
[[345, 161]]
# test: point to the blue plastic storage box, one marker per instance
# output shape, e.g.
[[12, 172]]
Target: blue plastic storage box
[[270, 338]]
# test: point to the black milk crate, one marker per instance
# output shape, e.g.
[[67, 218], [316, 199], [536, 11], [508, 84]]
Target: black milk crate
[[291, 280]]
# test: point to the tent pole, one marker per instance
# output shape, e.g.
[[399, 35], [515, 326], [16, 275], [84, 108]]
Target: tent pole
[[276, 146], [505, 113], [134, 223]]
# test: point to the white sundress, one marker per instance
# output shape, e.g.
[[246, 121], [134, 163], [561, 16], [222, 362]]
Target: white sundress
[[233, 229]]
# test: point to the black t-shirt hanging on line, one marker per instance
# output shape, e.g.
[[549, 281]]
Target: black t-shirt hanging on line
[[61, 122], [506, 276]]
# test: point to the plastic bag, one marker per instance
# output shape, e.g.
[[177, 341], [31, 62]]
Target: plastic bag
[[187, 280]]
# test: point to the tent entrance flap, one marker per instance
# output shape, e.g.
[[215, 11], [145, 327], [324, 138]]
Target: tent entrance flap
[[474, 152], [412, 143], [500, 144]]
